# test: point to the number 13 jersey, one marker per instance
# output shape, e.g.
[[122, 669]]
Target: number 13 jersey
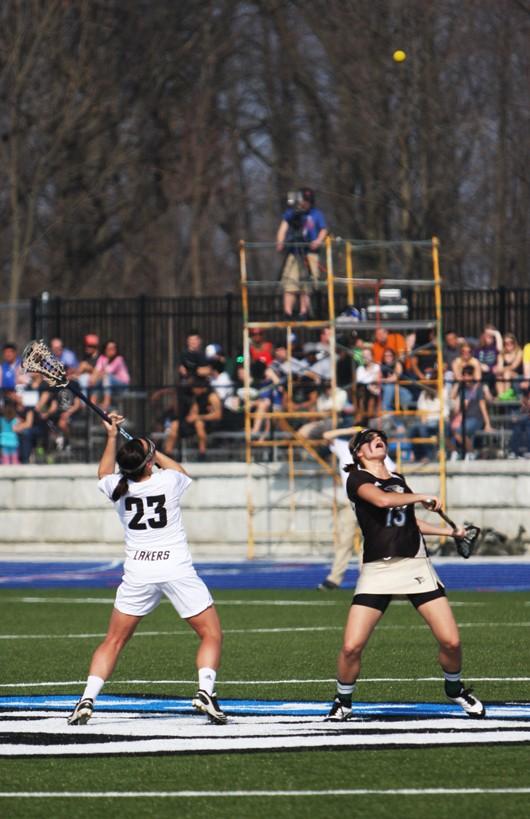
[[386, 532], [156, 546]]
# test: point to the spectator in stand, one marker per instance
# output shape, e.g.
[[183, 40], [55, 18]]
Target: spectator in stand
[[427, 425], [24, 427], [260, 348], [327, 400], [466, 359], [391, 373], [203, 416], [46, 413], [383, 340], [488, 353], [526, 367], [88, 361], [10, 370], [424, 358], [65, 415], [471, 399], [8, 433], [304, 395], [111, 373], [65, 355], [220, 381], [192, 360], [451, 349], [368, 389], [301, 232], [519, 446], [509, 368], [262, 391]]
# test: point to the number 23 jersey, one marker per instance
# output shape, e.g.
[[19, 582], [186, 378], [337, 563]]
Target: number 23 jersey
[[156, 546], [386, 532]]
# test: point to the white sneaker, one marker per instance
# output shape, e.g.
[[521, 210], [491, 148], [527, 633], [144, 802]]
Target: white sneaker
[[339, 712], [471, 705]]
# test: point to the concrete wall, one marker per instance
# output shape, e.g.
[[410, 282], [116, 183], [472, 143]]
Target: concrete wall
[[47, 509]]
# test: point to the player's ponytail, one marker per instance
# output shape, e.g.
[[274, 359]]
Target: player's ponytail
[[121, 488], [132, 460]]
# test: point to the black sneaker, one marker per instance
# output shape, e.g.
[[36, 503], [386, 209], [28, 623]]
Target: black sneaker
[[207, 704], [471, 705], [327, 585], [81, 713], [339, 712]]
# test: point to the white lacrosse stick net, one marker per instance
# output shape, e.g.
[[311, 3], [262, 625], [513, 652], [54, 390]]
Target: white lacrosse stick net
[[38, 358]]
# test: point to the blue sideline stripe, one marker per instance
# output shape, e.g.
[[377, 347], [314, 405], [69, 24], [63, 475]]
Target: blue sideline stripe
[[458, 575], [146, 705]]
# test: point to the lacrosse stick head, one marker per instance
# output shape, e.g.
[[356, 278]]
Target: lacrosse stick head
[[465, 546], [38, 358]]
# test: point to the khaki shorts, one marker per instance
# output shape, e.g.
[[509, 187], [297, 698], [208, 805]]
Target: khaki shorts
[[398, 575], [300, 272]]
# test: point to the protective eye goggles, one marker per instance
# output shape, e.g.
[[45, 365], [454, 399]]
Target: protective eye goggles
[[364, 437]]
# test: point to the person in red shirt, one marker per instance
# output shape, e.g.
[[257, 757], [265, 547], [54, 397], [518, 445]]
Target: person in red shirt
[[260, 349]]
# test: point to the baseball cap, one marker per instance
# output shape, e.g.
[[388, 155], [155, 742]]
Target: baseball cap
[[92, 340]]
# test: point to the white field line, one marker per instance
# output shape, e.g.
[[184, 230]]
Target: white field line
[[306, 681], [258, 794], [106, 600], [278, 630]]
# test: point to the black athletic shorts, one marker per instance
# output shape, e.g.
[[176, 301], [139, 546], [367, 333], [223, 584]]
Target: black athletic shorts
[[381, 601]]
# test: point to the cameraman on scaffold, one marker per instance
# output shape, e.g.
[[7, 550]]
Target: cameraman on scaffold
[[301, 233]]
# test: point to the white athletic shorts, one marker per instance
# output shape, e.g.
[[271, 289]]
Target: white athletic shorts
[[398, 575], [188, 595]]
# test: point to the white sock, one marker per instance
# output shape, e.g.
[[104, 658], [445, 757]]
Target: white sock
[[93, 687], [207, 679]]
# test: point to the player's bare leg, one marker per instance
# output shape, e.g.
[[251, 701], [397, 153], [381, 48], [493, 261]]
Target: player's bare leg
[[120, 630], [440, 619], [359, 626], [208, 628]]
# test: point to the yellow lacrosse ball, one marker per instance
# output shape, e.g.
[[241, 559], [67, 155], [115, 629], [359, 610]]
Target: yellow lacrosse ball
[[398, 56]]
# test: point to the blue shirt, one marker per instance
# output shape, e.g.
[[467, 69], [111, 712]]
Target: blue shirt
[[8, 374], [312, 222]]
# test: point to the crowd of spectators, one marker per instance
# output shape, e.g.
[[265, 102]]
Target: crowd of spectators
[[36, 417], [388, 378]]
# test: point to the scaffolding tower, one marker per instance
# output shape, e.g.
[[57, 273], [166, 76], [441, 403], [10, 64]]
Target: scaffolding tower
[[303, 498]]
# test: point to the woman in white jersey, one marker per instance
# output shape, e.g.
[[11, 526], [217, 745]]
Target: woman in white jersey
[[158, 562], [395, 561]]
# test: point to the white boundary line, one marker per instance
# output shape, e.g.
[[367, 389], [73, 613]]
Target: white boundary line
[[220, 602], [57, 683], [279, 630], [258, 794]]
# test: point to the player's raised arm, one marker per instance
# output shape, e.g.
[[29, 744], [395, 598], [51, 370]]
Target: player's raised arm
[[107, 464]]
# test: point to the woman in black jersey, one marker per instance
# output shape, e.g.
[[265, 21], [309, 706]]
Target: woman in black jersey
[[395, 561]]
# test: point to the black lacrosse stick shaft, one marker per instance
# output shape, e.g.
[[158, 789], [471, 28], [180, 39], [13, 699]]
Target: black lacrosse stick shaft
[[102, 414]]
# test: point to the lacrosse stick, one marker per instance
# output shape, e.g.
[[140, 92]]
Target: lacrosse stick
[[37, 358], [465, 546]]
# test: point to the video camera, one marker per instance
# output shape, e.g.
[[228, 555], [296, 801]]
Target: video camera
[[295, 199]]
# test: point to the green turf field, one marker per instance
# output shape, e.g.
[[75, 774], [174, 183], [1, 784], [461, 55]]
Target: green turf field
[[275, 648]]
